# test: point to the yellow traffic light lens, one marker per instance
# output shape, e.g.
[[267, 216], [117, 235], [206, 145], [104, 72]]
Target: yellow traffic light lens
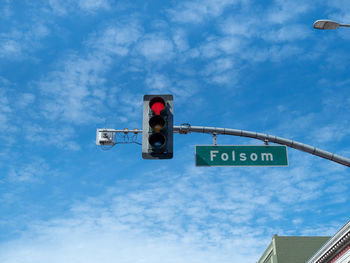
[[157, 123]]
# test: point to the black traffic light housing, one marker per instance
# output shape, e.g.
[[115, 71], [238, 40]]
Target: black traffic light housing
[[157, 130]]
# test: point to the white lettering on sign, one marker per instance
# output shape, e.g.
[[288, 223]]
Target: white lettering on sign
[[254, 157], [224, 157], [242, 156], [213, 154], [268, 156]]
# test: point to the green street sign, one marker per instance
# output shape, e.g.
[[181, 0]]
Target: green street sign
[[237, 155]]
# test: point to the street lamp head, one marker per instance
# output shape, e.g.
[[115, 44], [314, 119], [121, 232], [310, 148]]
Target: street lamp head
[[326, 24]]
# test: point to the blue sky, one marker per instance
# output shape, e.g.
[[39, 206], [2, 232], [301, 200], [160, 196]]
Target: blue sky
[[69, 67]]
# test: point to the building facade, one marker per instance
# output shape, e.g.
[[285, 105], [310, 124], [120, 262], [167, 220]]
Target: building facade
[[336, 249], [292, 249]]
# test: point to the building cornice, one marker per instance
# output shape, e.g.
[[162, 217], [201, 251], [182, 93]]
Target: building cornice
[[333, 246]]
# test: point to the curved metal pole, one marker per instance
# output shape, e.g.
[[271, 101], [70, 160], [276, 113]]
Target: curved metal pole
[[184, 129]]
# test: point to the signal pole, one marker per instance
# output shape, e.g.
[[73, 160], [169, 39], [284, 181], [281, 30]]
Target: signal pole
[[158, 130], [187, 128]]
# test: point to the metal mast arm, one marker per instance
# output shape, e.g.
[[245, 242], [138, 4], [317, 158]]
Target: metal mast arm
[[184, 129]]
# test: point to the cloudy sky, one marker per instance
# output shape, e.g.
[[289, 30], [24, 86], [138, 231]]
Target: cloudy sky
[[68, 67]]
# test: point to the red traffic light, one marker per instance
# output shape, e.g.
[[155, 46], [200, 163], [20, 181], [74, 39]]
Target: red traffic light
[[157, 105]]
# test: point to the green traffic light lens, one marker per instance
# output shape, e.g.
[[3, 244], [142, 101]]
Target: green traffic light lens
[[157, 140], [157, 123]]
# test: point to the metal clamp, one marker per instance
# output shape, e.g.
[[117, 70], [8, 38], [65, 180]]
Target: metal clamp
[[186, 129], [215, 139]]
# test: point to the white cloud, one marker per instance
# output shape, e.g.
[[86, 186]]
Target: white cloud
[[64, 7], [244, 26], [93, 5], [75, 92], [329, 230], [249, 41], [158, 83], [29, 172], [331, 133], [129, 106], [181, 88], [339, 10], [328, 126], [68, 92], [222, 71], [7, 114], [44, 135], [10, 48], [19, 43], [210, 49], [287, 11], [4, 104], [220, 65], [278, 53], [230, 45], [196, 216], [156, 47], [197, 11], [273, 53], [145, 223], [58, 7], [25, 99], [217, 46], [81, 244], [116, 39], [180, 40], [288, 33], [5, 9]]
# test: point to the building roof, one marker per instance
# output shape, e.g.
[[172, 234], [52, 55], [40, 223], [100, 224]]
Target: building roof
[[292, 249]]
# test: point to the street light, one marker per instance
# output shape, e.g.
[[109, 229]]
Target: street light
[[328, 24]]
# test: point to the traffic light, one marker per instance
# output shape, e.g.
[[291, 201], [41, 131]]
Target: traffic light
[[157, 130]]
